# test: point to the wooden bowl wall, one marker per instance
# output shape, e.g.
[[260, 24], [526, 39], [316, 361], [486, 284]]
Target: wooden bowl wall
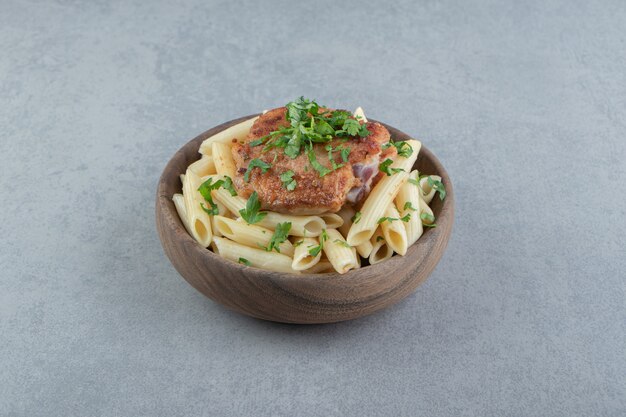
[[304, 298]]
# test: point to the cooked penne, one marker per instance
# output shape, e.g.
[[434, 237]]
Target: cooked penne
[[374, 207], [346, 213], [199, 220], [359, 113], [302, 258], [428, 192], [322, 267], [381, 195], [425, 208], [408, 202], [365, 248], [203, 166], [394, 231], [332, 220], [300, 225], [339, 253], [238, 132], [248, 234], [223, 159], [179, 203], [258, 258], [380, 249], [182, 178]]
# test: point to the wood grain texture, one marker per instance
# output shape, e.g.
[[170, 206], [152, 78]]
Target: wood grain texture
[[281, 297]]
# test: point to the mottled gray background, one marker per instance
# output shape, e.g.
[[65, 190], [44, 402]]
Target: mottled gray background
[[524, 102]]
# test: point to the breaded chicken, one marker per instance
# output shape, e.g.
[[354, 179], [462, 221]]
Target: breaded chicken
[[313, 194]]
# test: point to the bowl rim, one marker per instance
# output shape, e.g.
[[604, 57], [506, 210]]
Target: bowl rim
[[437, 236]]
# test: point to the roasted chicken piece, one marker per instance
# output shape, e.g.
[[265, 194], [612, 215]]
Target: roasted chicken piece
[[349, 183]]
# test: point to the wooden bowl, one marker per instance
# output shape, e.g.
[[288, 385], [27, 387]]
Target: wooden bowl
[[304, 298]]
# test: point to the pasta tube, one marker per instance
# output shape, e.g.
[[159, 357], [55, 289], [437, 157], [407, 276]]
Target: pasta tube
[[223, 159], [332, 220], [394, 231], [360, 113], [341, 256], [248, 234], [199, 220], [428, 192], [381, 195], [203, 166], [258, 258], [302, 258], [346, 213], [374, 208], [380, 249], [238, 132], [408, 202], [179, 203]]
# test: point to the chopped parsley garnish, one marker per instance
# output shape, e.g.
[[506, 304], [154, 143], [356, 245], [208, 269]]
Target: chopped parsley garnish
[[385, 167], [434, 184], [251, 213], [405, 219], [316, 164], [379, 238], [279, 236], [256, 163], [414, 182], [404, 149], [330, 150], [356, 218], [345, 153], [309, 123], [244, 261], [298, 243], [315, 250], [342, 243], [208, 186], [428, 217], [288, 181], [409, 206]]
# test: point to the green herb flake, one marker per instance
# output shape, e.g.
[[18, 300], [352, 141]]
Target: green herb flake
[[251, 213], [438, 187], [315, 250], [409, 206], [386, 168], [256, 163], [288, 181], [428, 217], [379, 238], [244, 261], [356, 218], [280, 235], [342, 243], [205, 191], [316, 165]]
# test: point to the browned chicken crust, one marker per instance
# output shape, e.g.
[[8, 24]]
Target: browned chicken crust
[[313, 194]]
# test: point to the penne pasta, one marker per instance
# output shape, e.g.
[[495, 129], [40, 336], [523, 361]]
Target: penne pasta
[[365, 248], [199, 220], [223, 159], [428, 192], [360, 114], [394, 231], [249, 235], [238, 132], [380, 249], [302, 259], [408, 202], [203, 166], [381, 195], [322, 267], [425, 208], [374, 208], [179, 203], [332, 220], [258, 258], [346, 213], [339, 253]]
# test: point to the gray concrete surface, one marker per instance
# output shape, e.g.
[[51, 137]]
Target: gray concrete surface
[[524, 102]]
